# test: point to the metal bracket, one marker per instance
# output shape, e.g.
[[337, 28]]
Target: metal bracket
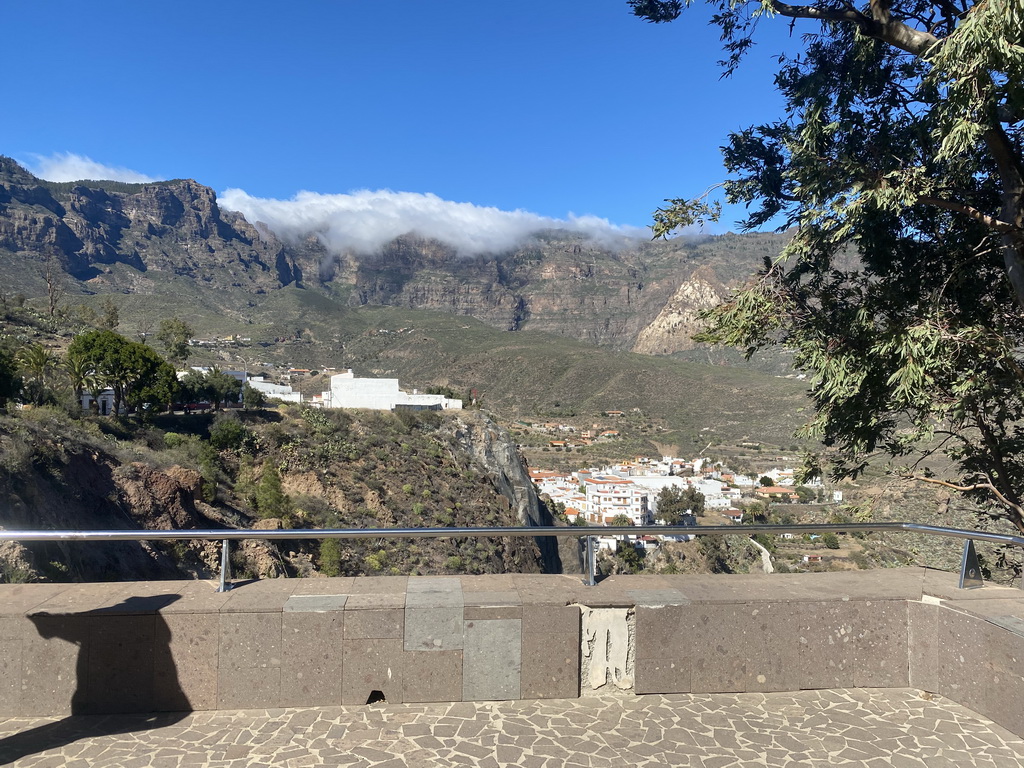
[[225, 566], [591, 563], [970, 568]]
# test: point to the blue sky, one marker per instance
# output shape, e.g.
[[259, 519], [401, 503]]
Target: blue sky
[[555, 108]]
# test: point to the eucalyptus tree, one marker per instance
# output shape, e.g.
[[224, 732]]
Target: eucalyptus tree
[[132, 370], [175, 334], [898, 163]]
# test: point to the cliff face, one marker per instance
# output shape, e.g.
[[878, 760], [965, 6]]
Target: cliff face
[[493, 449], [674, 327], [339, 470], [173, 227], [137, 238], [557, 284]]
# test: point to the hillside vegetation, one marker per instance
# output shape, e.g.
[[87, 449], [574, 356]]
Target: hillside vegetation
[[293, 468]]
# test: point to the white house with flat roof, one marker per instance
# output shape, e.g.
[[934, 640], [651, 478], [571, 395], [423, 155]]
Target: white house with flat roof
[[349, 391]]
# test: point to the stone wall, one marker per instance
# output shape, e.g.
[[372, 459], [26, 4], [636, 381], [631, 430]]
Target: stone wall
[[171, 646]]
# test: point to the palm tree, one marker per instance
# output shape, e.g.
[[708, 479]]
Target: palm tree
[[38, 365], [82, 374]]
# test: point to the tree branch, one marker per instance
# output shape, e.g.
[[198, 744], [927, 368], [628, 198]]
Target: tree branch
[[880, 25], [974, 487], [989, 221], [820, 14]]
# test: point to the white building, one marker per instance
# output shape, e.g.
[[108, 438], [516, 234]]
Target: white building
[[347, 391], [277, 391], [608, 497], [101, 402]]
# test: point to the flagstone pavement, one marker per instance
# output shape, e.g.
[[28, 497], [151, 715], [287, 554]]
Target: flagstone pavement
[[875, 728]]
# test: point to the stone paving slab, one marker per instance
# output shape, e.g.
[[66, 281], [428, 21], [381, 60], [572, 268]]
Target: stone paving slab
[[874, 728]]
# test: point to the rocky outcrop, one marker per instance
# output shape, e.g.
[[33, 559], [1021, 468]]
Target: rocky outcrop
[[674, 327], [493, 449], [51, 478]]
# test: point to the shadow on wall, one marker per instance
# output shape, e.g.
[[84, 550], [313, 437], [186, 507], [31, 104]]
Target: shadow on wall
[[123, 664]]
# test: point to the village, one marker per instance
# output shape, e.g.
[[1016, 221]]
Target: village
[[629, 494]]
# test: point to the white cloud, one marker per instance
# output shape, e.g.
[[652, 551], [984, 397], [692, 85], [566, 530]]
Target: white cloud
[[67, 166], [363, 221]]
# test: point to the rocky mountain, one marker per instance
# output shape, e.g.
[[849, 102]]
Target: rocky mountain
[[94, 230], [172, 239]]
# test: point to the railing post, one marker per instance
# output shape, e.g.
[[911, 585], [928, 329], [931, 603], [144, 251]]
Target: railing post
[[591, 563], [225, 565], [970, 568]]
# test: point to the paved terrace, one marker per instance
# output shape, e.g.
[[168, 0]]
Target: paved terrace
[[872, 728], [868, 668]]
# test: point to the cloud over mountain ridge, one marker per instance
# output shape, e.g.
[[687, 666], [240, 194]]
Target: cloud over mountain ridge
[[365, 220]]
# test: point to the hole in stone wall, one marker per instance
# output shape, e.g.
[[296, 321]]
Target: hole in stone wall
[[375, 696]]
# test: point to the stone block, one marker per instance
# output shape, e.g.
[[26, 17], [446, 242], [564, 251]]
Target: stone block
[[433, 629], [250, 640], [21, 599], [437, 584], [824, 638], [1002, 697], [380, 585], [186, 651], [120, 669], [10, 671], [372, 664], [742, 647], [307, 687], [922, 645], [551, 665], [958, 652], [312, 639], [486, 612], [432, 676], [662, 675], [657, 597], [484, 604], [248, 688], [335, 585], [54, 665], [491, 598], [492, 660], [551, 619], [882, 659], [663, 632], [388, 624], [312, 659], [315, 603], [263, 596], [370, 601]]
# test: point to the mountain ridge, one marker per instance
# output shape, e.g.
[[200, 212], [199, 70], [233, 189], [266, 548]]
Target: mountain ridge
[[173, 237]]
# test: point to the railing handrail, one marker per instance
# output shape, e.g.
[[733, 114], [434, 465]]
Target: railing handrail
[[235, 534], [225, 535]]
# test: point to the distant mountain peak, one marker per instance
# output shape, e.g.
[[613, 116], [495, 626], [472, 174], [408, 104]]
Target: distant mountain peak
[[13, 173]]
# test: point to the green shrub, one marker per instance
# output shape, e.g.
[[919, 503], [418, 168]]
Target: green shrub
[[227, 433]]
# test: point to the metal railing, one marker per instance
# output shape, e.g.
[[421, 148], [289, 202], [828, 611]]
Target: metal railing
[[970, 571]]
